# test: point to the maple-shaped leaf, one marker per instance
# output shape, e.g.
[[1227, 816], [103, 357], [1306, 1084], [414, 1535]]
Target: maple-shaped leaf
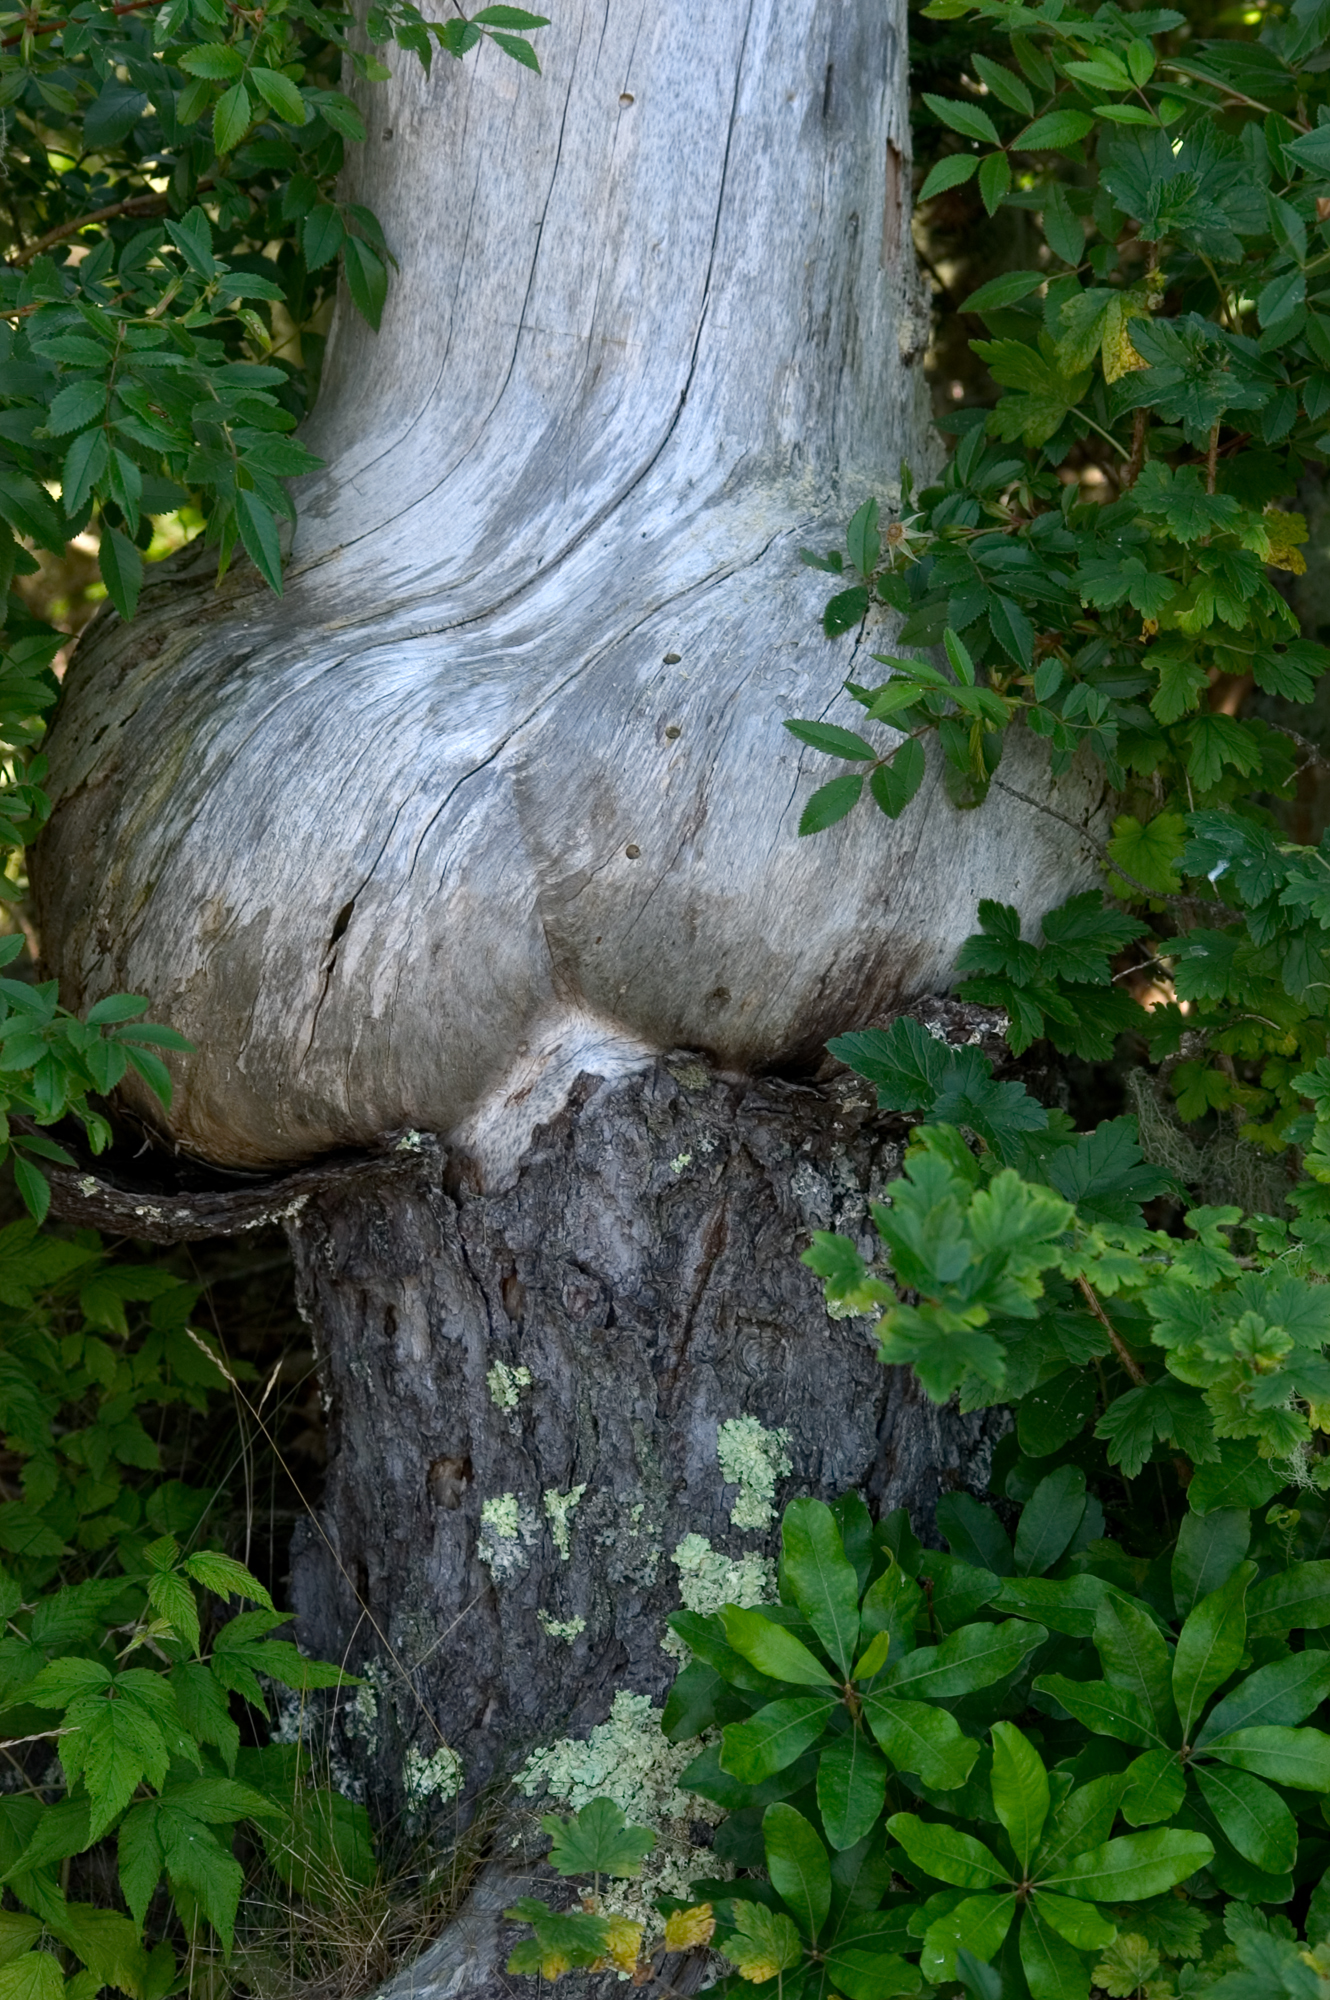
[[1082, 934], [1104, 1175], [598, 1841]]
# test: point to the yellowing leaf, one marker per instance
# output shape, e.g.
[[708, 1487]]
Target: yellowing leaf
[[685, 1929]]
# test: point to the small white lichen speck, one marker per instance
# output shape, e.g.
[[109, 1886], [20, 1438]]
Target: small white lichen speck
[[506, 1384], [752, 1459], [425, 1778], [560, 1628], [560, 1507]]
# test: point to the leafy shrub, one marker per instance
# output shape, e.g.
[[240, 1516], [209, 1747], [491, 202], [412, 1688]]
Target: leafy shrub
[[120, 1655]]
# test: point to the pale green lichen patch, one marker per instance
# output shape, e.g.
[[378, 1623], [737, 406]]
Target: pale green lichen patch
[[506, 1384], [629, 1760], [425, 1778], [560, 1628], [708, 1579], [560, 1507], [506, 1532], [680, 1161], [752, 1459]]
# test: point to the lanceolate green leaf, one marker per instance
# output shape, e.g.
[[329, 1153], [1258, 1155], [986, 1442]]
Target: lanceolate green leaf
[[851, 1786], [1132, 1867], [820, 1578], [798, 1866], [1210, 1646], [1020, 1790], [772, 1649], [778, 1734]]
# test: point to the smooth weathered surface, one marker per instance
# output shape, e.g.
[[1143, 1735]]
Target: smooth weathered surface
[[644, 1269], [499, 792]]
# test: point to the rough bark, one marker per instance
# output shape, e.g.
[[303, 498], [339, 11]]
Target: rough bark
[[499, 791], [644, 1268]]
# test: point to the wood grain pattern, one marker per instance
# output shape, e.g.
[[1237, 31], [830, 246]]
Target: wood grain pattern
[[499, 791]]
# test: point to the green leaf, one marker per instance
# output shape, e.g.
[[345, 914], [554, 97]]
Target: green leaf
[[171, 1598], [977, 1924], [994, 181], [777, 1734], [1209, 1549], [951, 172], [974, 1533], [1156, 1788], [322, 234], [1283, 1693], [1147, 853], [1299, 1758], [226, 1578], [1008, 290], [121, 566], [1108, 1711], [967, 1660], [258, 531], [367, 278], [863, 541], [280, 95], [598, 1841], [509, 17], [967, 119], [35, 1976], [772, 1649], [1081, 1924], [851, 1787], [1052, 1968], [1135, 1657], [1296, 1599], [518, 50], [218, 61], [1210, 1646], [1253, 1818], [946, 1853], [1049, 1519], [920, 1738], [828, 737], [1240, 1477], [830, 803], [77, 404], [893, 785], [1134, 1866], [1020, 1790], [231, 119], [818, 1575], [845, 610], [1062, 228], [798, 1866], [1054, 132], [764, 1942]]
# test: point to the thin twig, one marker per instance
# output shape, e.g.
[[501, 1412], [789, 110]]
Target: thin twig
[[1139, 432], [134, 204], [1120, 1348], [54, 27], [1212, 459]]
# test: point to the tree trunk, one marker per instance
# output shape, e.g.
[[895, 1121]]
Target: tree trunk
[[570, 1347], [494, 810], [500, 788]]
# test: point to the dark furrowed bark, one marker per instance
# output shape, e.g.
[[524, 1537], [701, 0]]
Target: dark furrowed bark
[[643, 1269]]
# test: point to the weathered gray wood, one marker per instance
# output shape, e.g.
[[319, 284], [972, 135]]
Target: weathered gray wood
[[499, 791]]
